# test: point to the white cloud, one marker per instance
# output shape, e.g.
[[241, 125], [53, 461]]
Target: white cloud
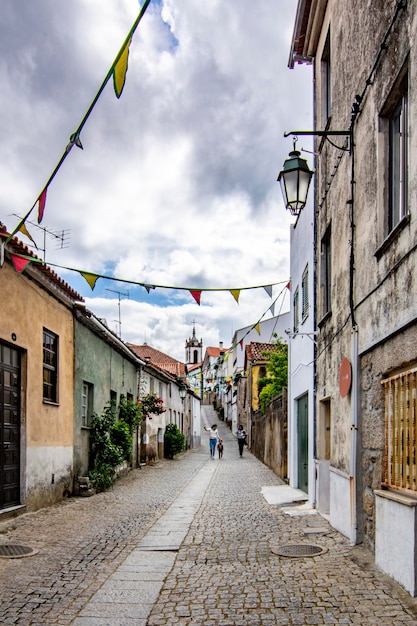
[[176, 184]]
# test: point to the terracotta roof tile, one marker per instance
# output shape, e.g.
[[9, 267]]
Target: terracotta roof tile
[[158, 359], [255, 349], [18, 247]]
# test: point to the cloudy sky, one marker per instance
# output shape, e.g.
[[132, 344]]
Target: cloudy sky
[[176, 183]]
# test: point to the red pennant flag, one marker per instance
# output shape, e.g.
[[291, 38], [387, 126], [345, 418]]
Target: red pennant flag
[[196, 293], [42, 202], [288, 286], [19, 263], [241, 344]]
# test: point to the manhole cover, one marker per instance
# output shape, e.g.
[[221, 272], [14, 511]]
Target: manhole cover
[[297, 550], [14, 551]]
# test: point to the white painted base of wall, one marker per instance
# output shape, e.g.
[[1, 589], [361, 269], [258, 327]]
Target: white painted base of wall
[[47, 465], [395, 538], [340, 513]]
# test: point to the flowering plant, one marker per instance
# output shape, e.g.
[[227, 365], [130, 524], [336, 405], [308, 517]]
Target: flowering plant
[[151, 405]]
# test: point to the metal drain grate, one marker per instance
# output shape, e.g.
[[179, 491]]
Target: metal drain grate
[[298, 550], [14, 551]]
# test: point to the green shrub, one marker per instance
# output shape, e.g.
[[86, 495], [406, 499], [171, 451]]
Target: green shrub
[[174, 441], [122, 439]]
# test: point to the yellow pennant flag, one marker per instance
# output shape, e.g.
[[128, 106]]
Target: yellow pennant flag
[[90, 278], [257, 328], [235, 293], [25, 231], [120, 69]]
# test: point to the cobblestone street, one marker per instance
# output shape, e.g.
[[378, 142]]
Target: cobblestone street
[[221, 571]]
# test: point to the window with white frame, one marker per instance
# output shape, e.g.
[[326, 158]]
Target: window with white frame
[[86, 404], [326, 93], [296, 309], [398, 159], [305, 295]]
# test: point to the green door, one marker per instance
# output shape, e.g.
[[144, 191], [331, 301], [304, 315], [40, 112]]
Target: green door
[[302, 439]]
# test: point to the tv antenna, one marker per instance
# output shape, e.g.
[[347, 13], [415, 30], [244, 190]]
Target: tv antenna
[[119, 321], [60, 237]]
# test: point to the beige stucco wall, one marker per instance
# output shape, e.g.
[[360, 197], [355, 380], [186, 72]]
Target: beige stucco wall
[[47, 429]]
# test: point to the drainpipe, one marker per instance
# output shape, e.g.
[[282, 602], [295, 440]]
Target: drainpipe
[[354, 438]]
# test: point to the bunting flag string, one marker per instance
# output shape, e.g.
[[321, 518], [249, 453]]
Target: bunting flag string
[[118, 70], [92, 277], [255, 326]]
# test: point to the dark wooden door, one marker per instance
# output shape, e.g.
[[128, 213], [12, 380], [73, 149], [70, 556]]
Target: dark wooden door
[[9, 426]]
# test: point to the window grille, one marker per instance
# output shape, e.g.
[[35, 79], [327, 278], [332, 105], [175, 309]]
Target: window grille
[[296, 309], [401, 431]]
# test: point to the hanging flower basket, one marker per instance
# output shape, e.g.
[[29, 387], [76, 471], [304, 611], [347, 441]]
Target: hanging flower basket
[[151, 404]]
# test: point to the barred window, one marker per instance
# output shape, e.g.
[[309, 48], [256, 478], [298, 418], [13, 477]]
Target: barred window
[[401, 431]]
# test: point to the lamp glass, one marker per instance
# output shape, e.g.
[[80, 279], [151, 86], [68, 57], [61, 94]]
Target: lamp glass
[[295, 179]]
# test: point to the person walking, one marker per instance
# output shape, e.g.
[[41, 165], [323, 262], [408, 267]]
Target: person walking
[[214, 437], [241, 438]]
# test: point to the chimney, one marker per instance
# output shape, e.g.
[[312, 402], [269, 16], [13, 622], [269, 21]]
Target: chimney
[[221, 345]]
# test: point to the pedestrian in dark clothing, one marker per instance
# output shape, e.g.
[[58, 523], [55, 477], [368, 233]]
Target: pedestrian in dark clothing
[[241, 438]]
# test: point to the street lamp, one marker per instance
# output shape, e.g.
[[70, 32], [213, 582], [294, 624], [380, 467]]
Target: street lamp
[[294, 179], [183, 391]]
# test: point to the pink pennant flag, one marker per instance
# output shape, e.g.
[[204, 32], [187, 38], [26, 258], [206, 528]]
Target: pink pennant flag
[[196, 293], [19, 263], [41, 208]]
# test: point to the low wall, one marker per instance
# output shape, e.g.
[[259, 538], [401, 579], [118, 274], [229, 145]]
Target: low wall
[[269, 435]]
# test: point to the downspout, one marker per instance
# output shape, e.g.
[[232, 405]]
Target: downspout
[[354, 349]]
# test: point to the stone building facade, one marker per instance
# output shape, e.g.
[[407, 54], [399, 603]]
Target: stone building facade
[[365, 80]]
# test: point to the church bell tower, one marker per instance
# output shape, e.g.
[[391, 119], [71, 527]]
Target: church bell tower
[[193, 350]]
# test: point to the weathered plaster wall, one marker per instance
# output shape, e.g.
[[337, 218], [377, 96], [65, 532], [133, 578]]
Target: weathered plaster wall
[[26, 310], [105, 369]]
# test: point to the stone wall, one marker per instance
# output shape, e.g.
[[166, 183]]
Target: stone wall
[[269, 435]]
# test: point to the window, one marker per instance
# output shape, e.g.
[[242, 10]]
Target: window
[[296, 307], [304, 291], [50, 366], [326, 274], [398, 160], [401, 431], [113, 399], [326, 82], [86, 404]]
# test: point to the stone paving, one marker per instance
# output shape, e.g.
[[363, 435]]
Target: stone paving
[[191, 541]]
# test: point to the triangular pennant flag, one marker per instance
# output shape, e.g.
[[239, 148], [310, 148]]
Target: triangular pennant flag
[[288, 286], [272, 309], [19, 263], [241, 344], [257, 328], [196, 293], [41, 208], [90, 278], [268, 289], [120, 69], [148, 287], [235, 293], [25, 231]]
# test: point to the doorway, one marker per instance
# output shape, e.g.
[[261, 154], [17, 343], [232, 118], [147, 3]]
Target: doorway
[[9, 426], [302, 442]]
